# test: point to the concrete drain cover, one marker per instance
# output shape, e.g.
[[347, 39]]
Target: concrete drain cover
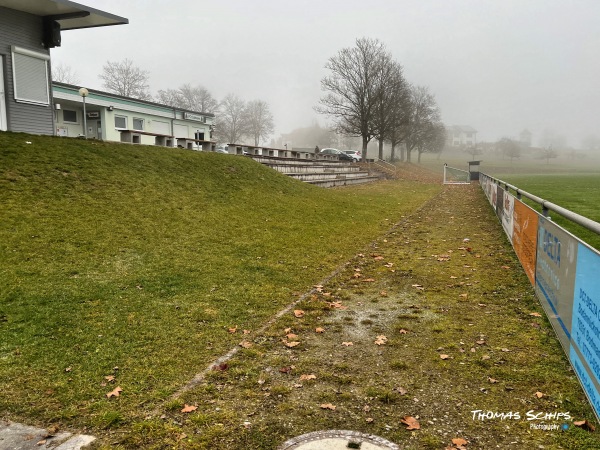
[[338, 440]]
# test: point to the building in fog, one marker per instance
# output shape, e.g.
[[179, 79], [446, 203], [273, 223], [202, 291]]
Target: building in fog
[[525, 138], [112, 117], [461, 136], [28, 29]]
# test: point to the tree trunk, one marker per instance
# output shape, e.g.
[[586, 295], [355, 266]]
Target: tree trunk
[[381, 149], [393, 153], [365, 143], [419, 158]]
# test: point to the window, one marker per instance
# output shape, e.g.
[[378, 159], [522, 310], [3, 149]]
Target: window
[[69, 116], [138, 124], [120, 122], [30, 75]]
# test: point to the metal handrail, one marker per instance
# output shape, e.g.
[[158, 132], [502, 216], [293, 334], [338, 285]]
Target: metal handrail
[[549, 206], [385, 163]]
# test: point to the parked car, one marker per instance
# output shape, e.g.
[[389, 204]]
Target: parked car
[[354, 154], [222, 149], [334, 151]]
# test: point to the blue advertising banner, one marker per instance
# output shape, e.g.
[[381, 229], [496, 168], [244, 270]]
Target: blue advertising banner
[[566, 275], [555, 276], [585, 326]]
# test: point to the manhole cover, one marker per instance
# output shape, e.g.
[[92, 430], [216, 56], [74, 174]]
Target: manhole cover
[[338, 440]]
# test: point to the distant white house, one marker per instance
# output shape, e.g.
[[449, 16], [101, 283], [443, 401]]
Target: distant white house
[[461, 136], [112, 117], [525, 138], [28, 29]]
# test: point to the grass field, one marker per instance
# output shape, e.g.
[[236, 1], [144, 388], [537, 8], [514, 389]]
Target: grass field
[[132, 262], [579, 193], [572, 184], [136, 267]]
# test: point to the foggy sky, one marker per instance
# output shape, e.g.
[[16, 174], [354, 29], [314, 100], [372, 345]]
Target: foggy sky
[[499, 66]]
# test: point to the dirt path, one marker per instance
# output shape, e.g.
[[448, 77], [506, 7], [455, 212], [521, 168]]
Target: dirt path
[[436, 322]]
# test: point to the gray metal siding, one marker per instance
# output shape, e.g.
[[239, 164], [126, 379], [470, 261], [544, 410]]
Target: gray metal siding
[[23, 30]]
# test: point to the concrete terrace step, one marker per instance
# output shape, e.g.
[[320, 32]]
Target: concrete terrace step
[[319, 172], [308, 168], [328, 176], [297, 161], [342, 181]]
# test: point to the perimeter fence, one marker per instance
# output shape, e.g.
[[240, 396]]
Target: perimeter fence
[[563, 269]]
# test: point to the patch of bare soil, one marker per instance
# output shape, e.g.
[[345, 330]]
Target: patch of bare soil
[[431, 338]]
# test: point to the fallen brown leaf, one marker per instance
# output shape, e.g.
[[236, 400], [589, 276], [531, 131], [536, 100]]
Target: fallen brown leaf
[[319, 330], [459, 442], [245, 344], [298, 313], [347, 344], [585, 425], [411, 423], [115, 392], [328, 406], [291, 344], [189, 408], [305, 377], [444, 356]]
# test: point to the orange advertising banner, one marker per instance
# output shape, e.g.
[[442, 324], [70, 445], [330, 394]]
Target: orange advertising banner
[[525, 229]]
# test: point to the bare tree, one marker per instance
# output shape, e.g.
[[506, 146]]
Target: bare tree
[[472, 150], [259, 120], [123, 78], [231, 124], [547, 154], [509, 148], [423, 113], [351, 89], [392, 105], [169, 97], [432, 140], [551, 139], [64, 74], [197, 98]]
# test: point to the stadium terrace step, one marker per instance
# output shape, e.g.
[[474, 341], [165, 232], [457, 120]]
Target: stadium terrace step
[[323, 173]]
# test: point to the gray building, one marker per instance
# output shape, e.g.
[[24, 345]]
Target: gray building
[[28, 29]]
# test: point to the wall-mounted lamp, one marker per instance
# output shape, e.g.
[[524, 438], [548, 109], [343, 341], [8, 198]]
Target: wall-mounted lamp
[[84, 93], [110, 108]]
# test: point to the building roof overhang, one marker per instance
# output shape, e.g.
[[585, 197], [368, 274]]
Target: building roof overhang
[[70, 15]]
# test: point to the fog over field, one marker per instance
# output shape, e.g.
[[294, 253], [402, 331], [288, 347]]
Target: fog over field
[[498, 66]]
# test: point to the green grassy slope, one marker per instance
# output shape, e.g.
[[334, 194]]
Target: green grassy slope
[[133, 261]]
